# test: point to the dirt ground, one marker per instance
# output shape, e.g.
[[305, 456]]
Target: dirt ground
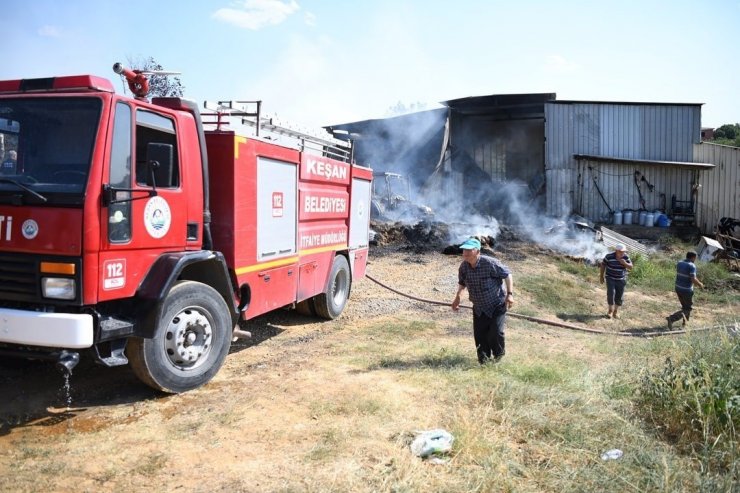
[[247, 429]]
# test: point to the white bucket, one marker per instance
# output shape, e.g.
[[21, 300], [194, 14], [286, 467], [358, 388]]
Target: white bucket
[[617, 217], [627, 217], [643, 216], [649, 219]]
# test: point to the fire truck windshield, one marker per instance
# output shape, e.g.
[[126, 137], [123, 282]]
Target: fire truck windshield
[[47, 145]]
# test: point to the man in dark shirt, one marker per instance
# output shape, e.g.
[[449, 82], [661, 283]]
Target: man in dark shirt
[[484, 278], [614, 269], [685, 282]]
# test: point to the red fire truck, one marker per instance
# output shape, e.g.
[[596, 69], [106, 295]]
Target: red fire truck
[[144, 233]]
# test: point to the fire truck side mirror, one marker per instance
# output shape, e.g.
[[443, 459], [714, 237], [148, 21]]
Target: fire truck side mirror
[[160, 167]]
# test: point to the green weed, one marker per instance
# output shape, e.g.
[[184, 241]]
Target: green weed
[[694, 399], [562, 296], [653, 274]]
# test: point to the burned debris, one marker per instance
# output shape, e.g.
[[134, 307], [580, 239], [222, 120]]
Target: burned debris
[[392, 200]]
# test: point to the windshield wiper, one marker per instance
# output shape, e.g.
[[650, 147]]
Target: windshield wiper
[[24, 187]]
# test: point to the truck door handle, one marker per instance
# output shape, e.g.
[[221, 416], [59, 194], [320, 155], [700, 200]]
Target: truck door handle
[[286, 250]]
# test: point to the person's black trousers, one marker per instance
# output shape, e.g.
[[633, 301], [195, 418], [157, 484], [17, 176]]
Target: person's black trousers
[[489, 334], [687, 302], [686, 298], [615, 291]]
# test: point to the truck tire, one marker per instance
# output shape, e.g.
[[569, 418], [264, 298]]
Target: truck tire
[[190, 343], [329, 304]]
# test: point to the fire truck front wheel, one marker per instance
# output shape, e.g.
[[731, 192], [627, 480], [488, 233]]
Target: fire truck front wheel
[[330, 304], [190, 343]]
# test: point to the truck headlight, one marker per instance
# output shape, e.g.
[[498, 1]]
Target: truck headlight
[[58, 288]]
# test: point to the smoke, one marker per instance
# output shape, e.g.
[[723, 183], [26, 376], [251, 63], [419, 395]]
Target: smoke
[[482, 175], [477, 225], [512, 203], [573, 236]]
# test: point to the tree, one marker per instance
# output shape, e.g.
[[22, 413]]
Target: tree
[[399, 108], [159, 85], [727, 131], [727, 134]]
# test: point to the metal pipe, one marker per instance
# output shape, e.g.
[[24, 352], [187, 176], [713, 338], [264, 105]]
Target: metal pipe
[[137, 82], [241, 334], [67, 361]]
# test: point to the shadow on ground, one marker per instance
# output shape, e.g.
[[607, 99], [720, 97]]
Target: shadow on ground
[[434, 362], [36, 393]]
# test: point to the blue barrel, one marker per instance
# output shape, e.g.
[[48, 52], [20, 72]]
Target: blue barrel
[[663, 221], [656, 216]]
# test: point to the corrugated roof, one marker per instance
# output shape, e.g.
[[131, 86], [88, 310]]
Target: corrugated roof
[[612, 239], [656, 162], [633, 103], [510, 104], [381, 123]]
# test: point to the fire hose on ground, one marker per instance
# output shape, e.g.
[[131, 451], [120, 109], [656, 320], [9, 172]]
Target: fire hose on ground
[[551, 322]]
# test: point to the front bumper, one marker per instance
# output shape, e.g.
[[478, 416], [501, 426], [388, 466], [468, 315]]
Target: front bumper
[[62, 330]]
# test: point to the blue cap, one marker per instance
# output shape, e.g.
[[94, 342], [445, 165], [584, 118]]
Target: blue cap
[[471, 244]]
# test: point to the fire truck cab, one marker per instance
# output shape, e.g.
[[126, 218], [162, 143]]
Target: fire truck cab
[[132, 229]]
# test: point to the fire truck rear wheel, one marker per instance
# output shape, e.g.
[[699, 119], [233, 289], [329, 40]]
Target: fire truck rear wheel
[[190, 343], [330, 304]]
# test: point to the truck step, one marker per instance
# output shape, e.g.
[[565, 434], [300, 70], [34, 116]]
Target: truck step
[[112, 328], [116, 356]]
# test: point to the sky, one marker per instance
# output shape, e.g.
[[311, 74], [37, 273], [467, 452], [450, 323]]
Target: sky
[[317, 63]]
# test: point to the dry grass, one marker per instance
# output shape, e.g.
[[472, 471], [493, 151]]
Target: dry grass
[[333, 406]]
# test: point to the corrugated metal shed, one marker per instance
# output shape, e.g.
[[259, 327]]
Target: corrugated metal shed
[[601, 186], [648, 134], [479, 148], [719, 195]]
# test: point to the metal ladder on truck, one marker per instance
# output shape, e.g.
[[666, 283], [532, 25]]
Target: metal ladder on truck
[[248, 115]]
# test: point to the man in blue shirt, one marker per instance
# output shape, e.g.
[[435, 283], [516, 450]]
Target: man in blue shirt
[[613, 270], [484, 278], [685, 282]]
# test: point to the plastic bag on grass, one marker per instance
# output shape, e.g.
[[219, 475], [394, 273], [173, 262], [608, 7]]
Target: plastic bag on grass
[[612, 454], [432, 442]]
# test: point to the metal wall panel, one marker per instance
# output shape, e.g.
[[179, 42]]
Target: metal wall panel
[[670, 132], [719, 195], [616, 182], [633, 131], [560, 191], [621, 131]]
